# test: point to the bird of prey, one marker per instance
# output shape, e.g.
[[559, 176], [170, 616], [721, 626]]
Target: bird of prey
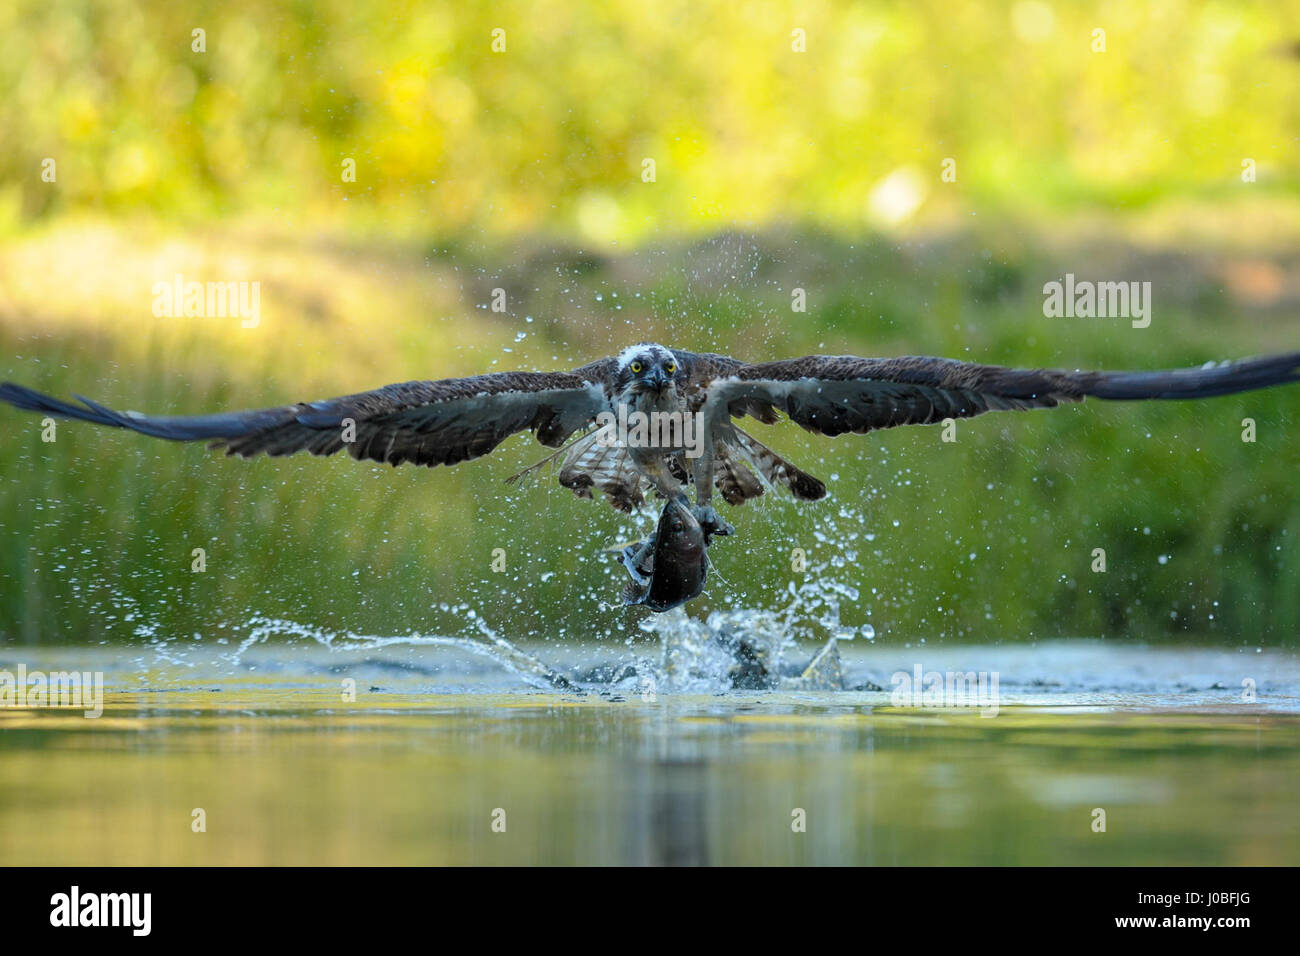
[[693, 401]]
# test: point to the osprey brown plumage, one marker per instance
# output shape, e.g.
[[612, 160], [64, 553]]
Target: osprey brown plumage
[[453, 420]]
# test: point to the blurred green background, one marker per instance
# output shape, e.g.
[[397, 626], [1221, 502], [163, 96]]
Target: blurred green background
[[775, 169]]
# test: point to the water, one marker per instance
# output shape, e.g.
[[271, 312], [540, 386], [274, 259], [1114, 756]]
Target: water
[[650, 756]]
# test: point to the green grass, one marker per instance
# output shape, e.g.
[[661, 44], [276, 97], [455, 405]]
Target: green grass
[[986, 539]]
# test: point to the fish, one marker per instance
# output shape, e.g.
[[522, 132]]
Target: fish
[[670, 567]]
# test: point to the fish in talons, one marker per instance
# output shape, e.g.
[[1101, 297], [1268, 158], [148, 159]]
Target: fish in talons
[[669, 567]]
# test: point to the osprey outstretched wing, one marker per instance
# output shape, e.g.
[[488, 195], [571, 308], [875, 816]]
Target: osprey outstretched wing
[[831, 395], [425, 423]]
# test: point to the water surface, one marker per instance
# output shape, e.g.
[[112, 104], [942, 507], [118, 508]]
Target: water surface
[[439, 741]]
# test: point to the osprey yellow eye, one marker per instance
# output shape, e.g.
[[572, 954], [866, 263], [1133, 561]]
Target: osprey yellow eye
[[636, 367]]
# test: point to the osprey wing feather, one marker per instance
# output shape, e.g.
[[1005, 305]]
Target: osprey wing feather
[[835, 394], [426, 423]]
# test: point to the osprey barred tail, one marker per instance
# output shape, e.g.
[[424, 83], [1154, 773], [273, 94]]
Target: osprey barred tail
[[698, 397]]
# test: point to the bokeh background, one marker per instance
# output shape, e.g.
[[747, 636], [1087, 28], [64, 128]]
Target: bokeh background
[[776, 169]]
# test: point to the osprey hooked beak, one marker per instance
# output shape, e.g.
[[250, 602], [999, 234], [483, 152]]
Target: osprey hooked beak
[[656, 379]]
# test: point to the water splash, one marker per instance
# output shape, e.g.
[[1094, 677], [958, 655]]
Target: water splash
[[490, 644], [737, 647], [750, 647]]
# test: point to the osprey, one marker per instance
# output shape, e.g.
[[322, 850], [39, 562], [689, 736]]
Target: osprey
[[654, 419]]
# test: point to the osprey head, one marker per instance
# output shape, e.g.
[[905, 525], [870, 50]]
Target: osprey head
[[646, 368]]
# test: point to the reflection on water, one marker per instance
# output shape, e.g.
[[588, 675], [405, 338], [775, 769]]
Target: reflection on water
[[413, 770]]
